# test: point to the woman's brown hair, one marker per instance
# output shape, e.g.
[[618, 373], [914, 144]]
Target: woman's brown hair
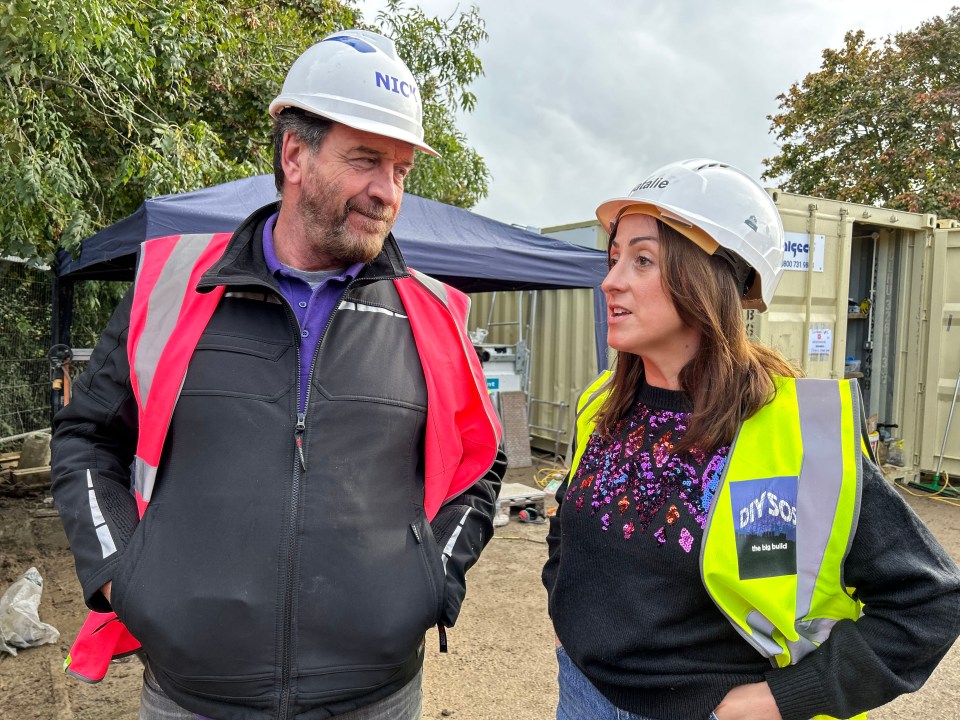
[[729, 378]]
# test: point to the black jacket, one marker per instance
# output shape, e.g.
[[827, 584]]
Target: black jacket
[[258, 587]]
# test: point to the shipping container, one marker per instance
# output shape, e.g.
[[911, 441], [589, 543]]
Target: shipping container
[[868, 293], [555, 328], [853, 303]]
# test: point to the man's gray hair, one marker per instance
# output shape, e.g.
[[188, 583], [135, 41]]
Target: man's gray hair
[[311, 129]]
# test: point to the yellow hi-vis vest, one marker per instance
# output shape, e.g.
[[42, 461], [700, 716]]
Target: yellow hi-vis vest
[[783, 516]]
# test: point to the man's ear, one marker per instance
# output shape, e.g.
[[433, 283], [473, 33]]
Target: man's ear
[[292, 156]]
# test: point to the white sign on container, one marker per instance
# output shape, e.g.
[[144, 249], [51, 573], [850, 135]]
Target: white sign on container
[[821, 342], [796, 251]]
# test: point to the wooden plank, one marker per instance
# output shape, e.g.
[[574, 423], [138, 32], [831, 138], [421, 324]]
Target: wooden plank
[[30, 476], [516, 430]]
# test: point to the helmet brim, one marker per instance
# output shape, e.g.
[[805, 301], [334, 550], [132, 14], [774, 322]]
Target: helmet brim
[[687, 225], [353, 121]]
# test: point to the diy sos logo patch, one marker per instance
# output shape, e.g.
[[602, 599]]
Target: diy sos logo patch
[[765, 526]]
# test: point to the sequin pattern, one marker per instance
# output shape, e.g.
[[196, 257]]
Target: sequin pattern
[[633, 478]]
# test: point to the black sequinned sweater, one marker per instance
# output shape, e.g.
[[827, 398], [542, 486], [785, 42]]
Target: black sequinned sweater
[[628, 604]]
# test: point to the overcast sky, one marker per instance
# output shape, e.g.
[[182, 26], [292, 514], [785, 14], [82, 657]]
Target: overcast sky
[[582, 99]]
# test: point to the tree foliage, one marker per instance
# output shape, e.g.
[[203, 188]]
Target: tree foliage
[[878, 123], [106, 102], [439, 52]]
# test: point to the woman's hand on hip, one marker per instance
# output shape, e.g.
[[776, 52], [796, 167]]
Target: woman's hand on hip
[[748, 702]]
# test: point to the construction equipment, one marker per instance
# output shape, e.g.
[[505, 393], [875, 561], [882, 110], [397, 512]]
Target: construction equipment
[[60, 358]]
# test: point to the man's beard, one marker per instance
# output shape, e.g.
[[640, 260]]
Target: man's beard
[[325, 225]]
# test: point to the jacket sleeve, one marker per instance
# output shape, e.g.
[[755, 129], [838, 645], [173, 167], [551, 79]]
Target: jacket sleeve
[[93, 444], [910, 588], [462, 528], [550, 568], [549, 574]]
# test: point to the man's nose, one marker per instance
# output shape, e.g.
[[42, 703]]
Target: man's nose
[[384, 187]]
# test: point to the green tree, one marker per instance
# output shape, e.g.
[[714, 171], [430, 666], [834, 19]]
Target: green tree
[[878, 123], [106, 102], [428, 44]]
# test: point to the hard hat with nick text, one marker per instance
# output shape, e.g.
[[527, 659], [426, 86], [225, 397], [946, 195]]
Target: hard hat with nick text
[[355, 77]]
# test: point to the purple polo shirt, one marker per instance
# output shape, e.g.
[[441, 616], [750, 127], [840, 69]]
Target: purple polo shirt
[[313, 308]]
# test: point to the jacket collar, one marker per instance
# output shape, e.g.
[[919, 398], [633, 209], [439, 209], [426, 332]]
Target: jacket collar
[[243, 264]]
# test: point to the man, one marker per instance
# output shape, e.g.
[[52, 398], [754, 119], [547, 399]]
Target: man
[[316, 459]]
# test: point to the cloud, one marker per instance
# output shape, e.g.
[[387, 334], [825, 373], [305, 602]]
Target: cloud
[[582, 99]]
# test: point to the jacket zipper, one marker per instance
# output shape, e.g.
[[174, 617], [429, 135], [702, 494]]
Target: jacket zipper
[[299, 466]]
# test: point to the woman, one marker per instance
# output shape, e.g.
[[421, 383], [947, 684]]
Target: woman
[[723, 549]]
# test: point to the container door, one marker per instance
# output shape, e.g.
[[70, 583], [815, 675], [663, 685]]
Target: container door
[[943, 358], [807, 320]]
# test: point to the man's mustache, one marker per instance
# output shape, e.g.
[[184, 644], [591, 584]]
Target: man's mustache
[[374, 211]]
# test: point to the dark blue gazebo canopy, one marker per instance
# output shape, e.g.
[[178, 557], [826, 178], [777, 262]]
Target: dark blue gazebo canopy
[[461, 248], [466, 250]]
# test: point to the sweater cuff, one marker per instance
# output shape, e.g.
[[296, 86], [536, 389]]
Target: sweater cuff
[[798, 690]]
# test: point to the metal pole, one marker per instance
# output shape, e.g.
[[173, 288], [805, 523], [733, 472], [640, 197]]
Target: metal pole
[[519, 317], [943, 446], [531, 330], [21, 436], [493, 303]]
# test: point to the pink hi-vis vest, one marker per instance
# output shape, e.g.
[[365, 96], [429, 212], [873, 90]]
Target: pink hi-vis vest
[[167, 318]]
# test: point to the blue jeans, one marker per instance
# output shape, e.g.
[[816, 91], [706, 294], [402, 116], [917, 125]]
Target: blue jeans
[[405, 704], [579, 699]]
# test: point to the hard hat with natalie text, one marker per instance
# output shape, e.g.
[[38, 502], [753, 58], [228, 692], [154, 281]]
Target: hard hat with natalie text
[[721, 209], [355, 77]]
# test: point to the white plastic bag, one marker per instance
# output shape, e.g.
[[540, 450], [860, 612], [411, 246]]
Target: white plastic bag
[[20, 625]]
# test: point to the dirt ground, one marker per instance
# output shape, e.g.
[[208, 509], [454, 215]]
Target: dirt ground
[[500, 662]]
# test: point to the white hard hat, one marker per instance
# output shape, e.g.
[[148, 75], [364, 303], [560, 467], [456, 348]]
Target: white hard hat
[[355, 77], [721, 209]]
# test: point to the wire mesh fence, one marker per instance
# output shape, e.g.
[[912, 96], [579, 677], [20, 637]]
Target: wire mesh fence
[[24, 339], [27, 398]]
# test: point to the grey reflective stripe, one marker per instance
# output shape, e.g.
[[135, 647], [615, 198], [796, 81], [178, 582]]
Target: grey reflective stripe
[[245, 295], [762, 637], [812, 633], [448, 548], [433, 285], [800, 648], [145, 475], [107, 546], [816, 630], [163, 308], [858, 412], [361, 307], [820, 482]]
